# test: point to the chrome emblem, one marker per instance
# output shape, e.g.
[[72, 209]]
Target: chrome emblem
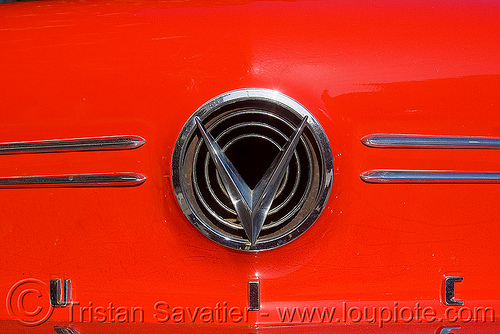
[[252, 169]]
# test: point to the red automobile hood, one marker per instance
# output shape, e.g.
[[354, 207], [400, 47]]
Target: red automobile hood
[[93, 69]]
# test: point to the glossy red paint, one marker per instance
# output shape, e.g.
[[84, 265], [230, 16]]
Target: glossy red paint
[[195, 329], [88, 69]]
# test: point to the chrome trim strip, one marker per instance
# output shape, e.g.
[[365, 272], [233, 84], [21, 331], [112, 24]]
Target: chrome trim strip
[[426, 176], [77, 180], [73, 145], [425, 141]]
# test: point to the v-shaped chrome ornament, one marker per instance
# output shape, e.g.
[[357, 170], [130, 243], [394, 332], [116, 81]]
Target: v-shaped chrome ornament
[[252, 205]]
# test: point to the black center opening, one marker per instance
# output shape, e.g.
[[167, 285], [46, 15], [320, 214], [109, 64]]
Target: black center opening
[[252, 156]]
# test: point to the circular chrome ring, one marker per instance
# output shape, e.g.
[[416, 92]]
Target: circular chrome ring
[[301, 201]]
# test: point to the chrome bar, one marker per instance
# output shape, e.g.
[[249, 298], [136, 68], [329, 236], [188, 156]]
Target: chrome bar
[[77, 180], [73, 145], [420, 176], [425, 141]]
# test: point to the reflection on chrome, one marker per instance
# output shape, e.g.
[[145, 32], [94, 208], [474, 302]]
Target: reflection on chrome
[[448, 297], [252, 205], [426, 176], [65, 330], [213, 183], [60, 292], [77, 180], [73, 145], [424, 141]]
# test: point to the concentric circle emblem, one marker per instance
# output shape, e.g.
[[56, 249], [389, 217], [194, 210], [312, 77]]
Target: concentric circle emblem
[[252, 169]]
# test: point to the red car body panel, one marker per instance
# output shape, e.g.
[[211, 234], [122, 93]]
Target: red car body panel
[[89, 69]]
